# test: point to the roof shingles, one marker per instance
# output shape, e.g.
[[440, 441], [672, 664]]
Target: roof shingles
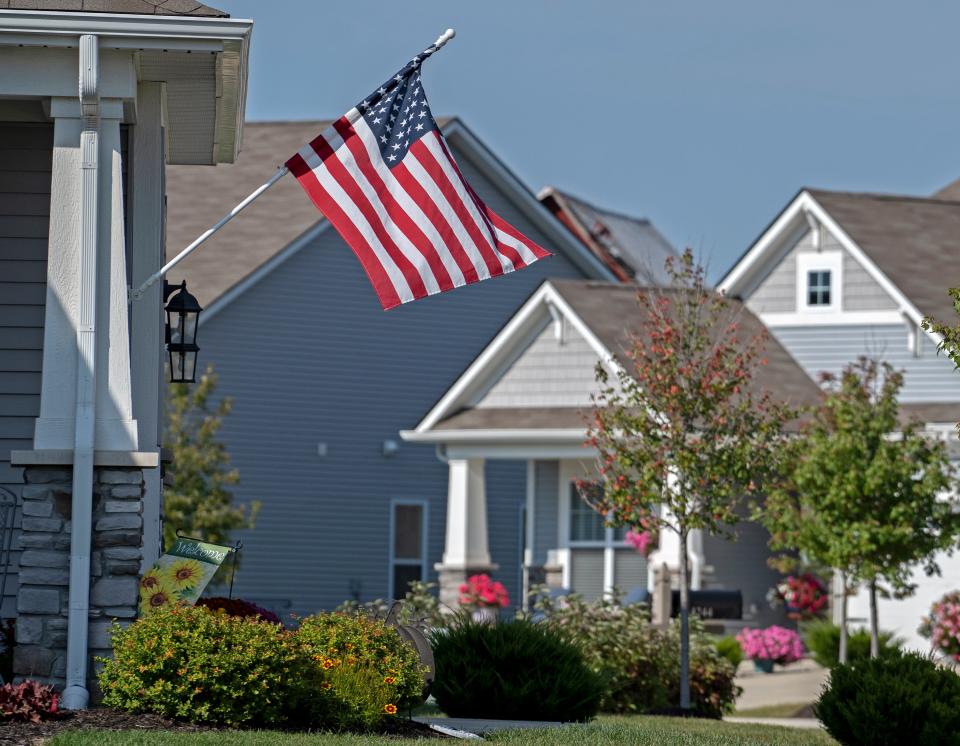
[[138, 7]]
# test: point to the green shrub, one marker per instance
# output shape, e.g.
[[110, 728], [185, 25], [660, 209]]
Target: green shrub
[[639, 662], [355, 641], [515, 669], [207, 667], [729, 648], [822, 639], [898, 699]]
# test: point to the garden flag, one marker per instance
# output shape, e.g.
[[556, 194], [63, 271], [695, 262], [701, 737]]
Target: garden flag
[[181, 574], [384, 177]]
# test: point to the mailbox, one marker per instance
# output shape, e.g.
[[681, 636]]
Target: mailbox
[[713, 604]]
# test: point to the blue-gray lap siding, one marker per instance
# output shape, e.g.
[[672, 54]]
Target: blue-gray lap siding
[[309, 357], [26, 152]]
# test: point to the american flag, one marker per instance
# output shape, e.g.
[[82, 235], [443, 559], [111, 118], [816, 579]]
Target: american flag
[[384, 177]]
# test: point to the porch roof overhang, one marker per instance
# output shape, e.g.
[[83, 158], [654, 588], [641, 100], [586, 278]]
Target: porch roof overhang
[[202, 60]]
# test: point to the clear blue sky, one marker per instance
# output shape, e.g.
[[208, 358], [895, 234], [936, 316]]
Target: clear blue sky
[[705, 116]]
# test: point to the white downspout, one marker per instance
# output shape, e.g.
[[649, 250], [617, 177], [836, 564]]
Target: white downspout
[[75, 695]]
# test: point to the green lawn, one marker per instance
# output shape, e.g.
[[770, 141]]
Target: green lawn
[[637, 731]]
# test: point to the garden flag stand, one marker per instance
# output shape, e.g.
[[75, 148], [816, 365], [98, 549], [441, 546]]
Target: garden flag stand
[[384, 177]]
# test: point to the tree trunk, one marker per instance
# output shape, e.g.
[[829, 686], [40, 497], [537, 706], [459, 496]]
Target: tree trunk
[[684, 624], [843, 617], [874, 622]]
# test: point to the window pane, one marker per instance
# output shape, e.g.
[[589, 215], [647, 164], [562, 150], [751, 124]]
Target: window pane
[[408, 531], [586, 524], [818, 288], [403, 575]]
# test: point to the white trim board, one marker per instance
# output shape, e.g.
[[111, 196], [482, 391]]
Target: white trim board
[[785, 225]]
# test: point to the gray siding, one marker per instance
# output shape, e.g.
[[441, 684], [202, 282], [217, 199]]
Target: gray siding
[[548, 374], [25, 162], [309, 357], [740, 564], [928, 377], [860, 291], [545, 509], [777, 292]]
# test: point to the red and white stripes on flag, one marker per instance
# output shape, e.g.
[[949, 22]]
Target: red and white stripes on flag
[[416, 225]]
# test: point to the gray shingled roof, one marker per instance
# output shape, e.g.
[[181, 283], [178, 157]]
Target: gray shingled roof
[[198, 196], [915, 241], [950, 192], [139, 7]]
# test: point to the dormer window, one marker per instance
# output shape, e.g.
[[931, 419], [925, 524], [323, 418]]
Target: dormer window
[[818, 287]]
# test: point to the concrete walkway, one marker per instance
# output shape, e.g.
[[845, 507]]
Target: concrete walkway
[[479, 726], [805, 723], [799, 683]]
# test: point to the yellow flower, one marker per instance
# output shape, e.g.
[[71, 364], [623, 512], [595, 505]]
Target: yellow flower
[[184, 573], [327, 664], [159, 598], [326, 685], [389, 680], [390, 709], [152, 580]]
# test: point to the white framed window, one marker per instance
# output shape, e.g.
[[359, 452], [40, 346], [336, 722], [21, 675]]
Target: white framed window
[[819, 280], [408, 545]]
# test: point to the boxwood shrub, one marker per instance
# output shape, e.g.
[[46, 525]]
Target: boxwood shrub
[[822, 639], [898, 699], [515, 669]]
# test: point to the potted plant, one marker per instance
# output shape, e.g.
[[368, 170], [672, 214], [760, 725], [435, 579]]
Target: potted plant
[[765, 647], [804, 596], [485, 596], [942, 626]]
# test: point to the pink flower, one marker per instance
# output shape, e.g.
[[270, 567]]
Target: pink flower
[[774, 643], [480, 590]]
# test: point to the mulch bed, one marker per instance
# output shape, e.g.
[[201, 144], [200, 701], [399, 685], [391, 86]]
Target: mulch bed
[[104, 718]]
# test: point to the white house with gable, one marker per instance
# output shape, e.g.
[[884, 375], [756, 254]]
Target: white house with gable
[[838, 275]]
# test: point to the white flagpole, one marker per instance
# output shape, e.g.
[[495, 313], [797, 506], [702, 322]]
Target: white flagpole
[[138, 293]]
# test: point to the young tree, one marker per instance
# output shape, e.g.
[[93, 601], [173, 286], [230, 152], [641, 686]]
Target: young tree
[[684, 426], [199, 503], [865, 494]]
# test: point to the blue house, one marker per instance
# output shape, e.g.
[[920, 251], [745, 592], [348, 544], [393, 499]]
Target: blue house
[[323, 380]]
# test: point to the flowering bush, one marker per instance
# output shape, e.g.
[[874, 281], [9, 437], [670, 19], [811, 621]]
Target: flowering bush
[[345, 642], [192, 663], [29, 702], [237, 607], [805, 596], [481, 590], [774, 643], [638, 661], [942, 626]]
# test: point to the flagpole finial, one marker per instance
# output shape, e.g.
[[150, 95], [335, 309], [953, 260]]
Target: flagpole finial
[[444, 38]]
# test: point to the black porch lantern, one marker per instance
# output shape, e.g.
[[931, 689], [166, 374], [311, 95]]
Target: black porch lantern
[[183, 312]]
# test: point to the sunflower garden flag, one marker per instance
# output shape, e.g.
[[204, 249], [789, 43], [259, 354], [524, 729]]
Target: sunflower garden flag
[[180, 575]]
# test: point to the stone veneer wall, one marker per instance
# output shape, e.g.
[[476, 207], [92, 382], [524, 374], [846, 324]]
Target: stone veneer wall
[[43, 598]]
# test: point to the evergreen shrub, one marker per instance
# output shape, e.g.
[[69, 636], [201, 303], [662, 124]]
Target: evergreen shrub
[[515, 669], [903, 698], [729, 647]]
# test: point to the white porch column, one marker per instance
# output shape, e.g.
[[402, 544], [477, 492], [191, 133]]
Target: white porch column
[[116, 430], [466, 551]]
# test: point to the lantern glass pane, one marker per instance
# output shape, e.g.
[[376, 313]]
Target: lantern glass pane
[[188, 327], [190, 365]]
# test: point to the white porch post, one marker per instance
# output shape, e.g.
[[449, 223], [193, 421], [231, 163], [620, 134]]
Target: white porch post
[[466, 551], [116, 430]]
